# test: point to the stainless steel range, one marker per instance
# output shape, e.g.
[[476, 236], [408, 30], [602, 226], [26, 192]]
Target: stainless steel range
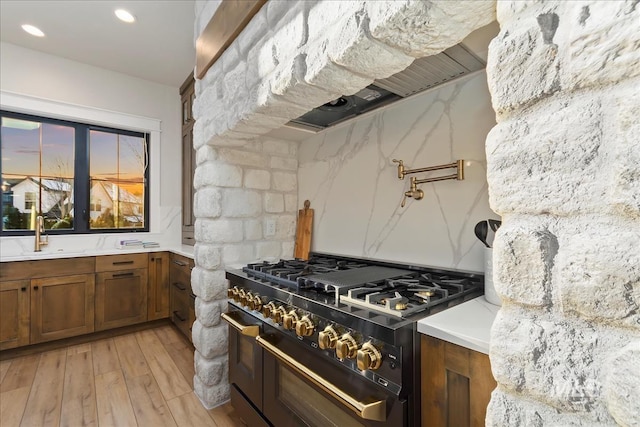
[[332, 340]]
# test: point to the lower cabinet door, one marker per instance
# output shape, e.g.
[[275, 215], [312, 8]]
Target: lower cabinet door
[[62, 307], [121, 298], [14, 309]]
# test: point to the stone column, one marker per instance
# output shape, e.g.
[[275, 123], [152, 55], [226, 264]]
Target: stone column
[[564, 172]]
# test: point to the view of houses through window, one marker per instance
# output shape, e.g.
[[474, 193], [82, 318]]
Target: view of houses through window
[[78, 177]]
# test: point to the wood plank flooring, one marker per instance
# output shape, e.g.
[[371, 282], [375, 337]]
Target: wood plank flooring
[[140, 379]]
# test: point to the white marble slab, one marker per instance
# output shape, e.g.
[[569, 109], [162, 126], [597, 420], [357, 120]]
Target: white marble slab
[[183, 250], [467, 324]]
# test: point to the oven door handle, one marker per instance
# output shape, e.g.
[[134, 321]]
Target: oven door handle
[[248, 330], [371, 410]]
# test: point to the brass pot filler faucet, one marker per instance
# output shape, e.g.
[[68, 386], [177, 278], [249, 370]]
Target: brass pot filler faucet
[[417, 193]]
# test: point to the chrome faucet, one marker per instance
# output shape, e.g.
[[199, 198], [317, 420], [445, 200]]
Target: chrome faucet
[[41, 240]]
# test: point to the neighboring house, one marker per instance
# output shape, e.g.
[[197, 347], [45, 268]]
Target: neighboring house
[[56, 196], [108, 196]]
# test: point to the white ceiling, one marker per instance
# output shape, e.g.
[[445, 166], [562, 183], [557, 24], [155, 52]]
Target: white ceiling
[[157, 47]]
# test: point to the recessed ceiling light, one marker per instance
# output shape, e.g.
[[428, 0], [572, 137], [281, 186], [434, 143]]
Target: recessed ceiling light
[[34, 31], [125, 16]]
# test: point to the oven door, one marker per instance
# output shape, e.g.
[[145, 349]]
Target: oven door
[[245, 359], [303, 389]]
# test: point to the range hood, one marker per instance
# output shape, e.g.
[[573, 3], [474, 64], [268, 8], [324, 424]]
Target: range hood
[[424, 73]]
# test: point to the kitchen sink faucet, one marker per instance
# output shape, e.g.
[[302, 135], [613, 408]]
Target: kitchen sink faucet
[[41, 239]]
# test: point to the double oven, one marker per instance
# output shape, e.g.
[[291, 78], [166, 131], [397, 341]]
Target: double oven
[[298, 356]]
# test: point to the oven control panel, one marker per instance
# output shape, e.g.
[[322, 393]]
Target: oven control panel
[[376, 360]]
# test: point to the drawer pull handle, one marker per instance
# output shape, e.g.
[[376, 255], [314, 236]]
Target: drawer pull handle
[[129, 274], [180, 318], [180, 263], [193, 296], [179, 286], [23, 289], [35, 288], [122, 262], [248, 330]]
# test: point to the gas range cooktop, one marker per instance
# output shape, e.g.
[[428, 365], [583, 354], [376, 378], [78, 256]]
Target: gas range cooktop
[[389, 289]]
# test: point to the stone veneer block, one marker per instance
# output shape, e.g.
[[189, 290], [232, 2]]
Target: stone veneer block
[[594, 281], [268, 250], [208, 312], [253, 229], [290, 203], [285, 227], [284, 181], [240, 203], [210, 341], [284, 163], [622, 385], [602, 51], [556, 151], [556, 360], [211, 371], [273, 202], [205, 153], [217, 174], [257, 179], [206, 203], [211, 396], [209, 285], [279, 147], [234, 254], [523, 254], [207, 256], [243, 158], [218, 231]]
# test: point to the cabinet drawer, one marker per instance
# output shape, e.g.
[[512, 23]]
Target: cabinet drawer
[[46, 268], [121, 262]]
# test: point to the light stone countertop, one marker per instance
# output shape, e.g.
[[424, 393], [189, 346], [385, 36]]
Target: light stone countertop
[[183, 250], [467, 324]]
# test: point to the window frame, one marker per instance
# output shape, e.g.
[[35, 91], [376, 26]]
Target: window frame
[[82, 178]]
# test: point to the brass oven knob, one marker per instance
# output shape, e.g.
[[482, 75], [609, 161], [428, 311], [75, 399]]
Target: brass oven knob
[[304, 327], [232, 292], [269, 308], [346, 347], [327, 339], [278, 314], [247, 297], [255, 303], [369, 357], [290, 320], [240, 297]]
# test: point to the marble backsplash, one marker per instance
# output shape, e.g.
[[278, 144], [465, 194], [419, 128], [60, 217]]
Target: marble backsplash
[[348, 175]]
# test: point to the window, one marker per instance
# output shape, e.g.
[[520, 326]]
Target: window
[[81, 178]]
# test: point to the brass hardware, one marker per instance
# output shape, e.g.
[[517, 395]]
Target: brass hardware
[[369, 357], [231, 292], [290, 320], [255, 303], [241, 297], [278, 314], [269, 308], [247, 297], [327, 339], [247, 330], [346, 347], [41, 239], [304, 327], [371, 409], [414, 191]]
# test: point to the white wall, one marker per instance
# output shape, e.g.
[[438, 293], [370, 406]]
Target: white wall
[[69, 83], [348, 175]]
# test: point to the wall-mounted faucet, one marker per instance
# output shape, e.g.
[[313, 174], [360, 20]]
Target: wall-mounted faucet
[[41, 240], [417, 193], [414, 192]]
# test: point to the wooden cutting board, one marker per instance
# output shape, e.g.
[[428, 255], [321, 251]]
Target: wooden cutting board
[[303, 232]]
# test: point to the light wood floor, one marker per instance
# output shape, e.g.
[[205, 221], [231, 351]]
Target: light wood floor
[[141, 379]]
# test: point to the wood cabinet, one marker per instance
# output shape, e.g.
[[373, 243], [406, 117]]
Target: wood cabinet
[[61, 307], [15, 311], [456, 384], [121, 294], [158, 287], [187, 94], [182, 299]]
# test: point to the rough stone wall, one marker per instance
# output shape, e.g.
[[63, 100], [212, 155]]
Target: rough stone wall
[[564, 172], [292, 57]]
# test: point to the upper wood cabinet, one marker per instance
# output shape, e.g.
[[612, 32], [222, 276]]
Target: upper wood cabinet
[[187, 94], [456, 384], [158, 288], [61, 307], [15, 312]]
